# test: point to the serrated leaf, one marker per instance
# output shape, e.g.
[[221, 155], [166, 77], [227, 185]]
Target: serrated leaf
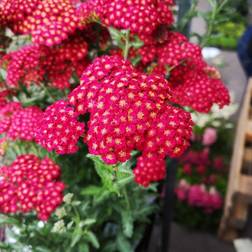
[[91, 237], [105, 172]]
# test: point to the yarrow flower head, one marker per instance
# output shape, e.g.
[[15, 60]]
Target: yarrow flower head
[[6, 113], [30, 184], [33, 64], [18, 122], [24, 65], [194, 83], [59, 128], [24, 122], [16, 10], [141, 17], [128, 110], [177, 49], [49, 21], [199, 91]]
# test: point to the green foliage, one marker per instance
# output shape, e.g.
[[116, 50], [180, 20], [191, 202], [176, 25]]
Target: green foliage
[[103, 211]]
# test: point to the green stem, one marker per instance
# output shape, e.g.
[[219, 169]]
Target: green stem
[[127, 45], [126, 198]]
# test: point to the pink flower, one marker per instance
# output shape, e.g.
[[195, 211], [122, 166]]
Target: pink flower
[[209, 137], [197, 195], [214, 202], [182, 190]]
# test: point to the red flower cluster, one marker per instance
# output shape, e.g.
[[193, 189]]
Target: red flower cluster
[[59, 129], [194, 83], [64, 60], [129, 110], [24, 65], [12, 11], [19, 123], [177, 50], [23, 123], [3, 96], [48, 21], [198, 196], [141, 17], [193, 157], [30, 184], [200, 91], [6, 113], [30, 63]]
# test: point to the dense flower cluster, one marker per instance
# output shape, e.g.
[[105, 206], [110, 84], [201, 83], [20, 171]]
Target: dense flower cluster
[[6, 113], [64, 60], [23, 123], [126, 108], [199, 91], [194, 83], [24, 65], [30, 63], [48, 21], [141, 17], [19, 123], [129, 110], [30, 184], [59, 129], [177, 50], [12, 11], [199, 196], [3, 96]]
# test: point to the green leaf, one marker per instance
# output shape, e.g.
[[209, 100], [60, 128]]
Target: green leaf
[[75, 238], [42, 249], [91, 190], [88, 222], [105, 172], [123, 244], [116, 36], [91, 237], [3, 73], [127, 223], [5, 246], [84, 247], [137, 43], [9, 220], [136, 60]]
